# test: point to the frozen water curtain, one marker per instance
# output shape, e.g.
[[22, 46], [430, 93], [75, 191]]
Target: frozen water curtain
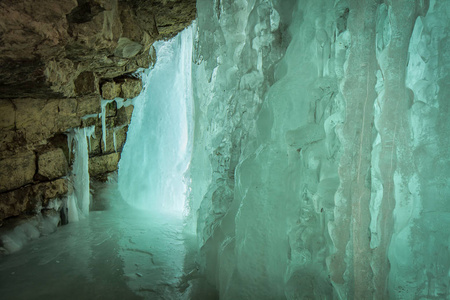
[[156, 154]]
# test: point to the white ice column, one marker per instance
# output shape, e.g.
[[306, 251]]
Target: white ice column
[[156, 155], [79, 200]]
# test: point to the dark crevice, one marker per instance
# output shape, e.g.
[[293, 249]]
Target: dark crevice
[[84, 12]]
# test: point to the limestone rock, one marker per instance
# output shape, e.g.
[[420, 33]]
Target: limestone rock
[[126, 88], [17, 171], [9, 140], [110, 90], [131, 88], [68, 107], [99, 165], [40, 119], [120, 135], [88, 105], [124, 115], [30, 199], [170, 18], [30, 32], [68, 116], [60, 140], [52, 164], [111, 109], [56, 58], [50, 190], [7, 115], [13, 203], [57, 48], [85, 83], [36, 118], [94, 143]]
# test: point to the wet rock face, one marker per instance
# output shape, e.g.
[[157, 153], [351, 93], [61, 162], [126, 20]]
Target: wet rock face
[[58, 59]]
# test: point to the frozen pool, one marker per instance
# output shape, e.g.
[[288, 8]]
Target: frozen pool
[[119, 253]]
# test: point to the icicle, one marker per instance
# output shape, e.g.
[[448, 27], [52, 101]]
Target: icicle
[[103, 113], [70, 136], [120, 102], [90, 132], [90, 116], [78, 201], [114, 138], [72, 209]]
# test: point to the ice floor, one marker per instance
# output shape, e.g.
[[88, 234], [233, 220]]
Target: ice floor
[[119, 253]]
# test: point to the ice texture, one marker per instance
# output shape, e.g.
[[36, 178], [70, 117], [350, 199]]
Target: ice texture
[[78, 201], [321, 166], [156, 153], [104, 103], [120, 253], [13, 240]]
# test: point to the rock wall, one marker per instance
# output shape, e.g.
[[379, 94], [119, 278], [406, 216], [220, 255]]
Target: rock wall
[[59, 59]]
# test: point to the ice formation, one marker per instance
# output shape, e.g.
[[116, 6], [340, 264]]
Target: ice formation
[[320, 166], [75, 205], [156, 154], [104, 103], [78, 202]]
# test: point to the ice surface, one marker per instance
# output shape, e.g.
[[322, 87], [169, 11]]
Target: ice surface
[[320, 167], [13, 240], [122, 253], [156, 153]]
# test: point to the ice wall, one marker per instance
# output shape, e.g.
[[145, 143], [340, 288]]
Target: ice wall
[[156, 153], [320, 166]]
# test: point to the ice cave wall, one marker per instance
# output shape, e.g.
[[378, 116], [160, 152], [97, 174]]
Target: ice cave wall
[[321, 163]]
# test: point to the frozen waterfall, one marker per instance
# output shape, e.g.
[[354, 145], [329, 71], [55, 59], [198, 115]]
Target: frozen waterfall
[[78, 202], [156, 154], [306, 142], [321, 164]]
